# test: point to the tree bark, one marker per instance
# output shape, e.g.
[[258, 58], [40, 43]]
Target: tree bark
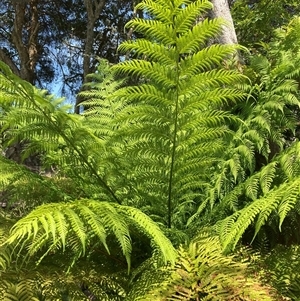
[[94, 9], [25, 38], [221, 10]]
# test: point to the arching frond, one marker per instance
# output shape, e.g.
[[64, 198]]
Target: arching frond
[[45, 127], [268, 113], [74, 225], [280, 200]]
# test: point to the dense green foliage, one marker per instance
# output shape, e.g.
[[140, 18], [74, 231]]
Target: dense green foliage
[[172, 142], [204, 273], [255, 20]]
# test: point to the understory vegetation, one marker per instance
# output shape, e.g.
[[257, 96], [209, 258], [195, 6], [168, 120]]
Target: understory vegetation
[[178, 181]]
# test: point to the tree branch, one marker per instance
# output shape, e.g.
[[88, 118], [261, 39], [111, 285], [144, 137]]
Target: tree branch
[[4, 57], [94, 9]]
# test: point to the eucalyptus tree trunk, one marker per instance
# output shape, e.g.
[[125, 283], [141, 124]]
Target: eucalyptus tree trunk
[[221, 10], [24, 37], [93, 9]]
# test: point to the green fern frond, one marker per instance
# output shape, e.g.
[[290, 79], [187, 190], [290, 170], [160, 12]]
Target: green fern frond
[[46, 126], [201, 60], [267, 176], [147, 226], [153, 52], [272, 191], [75, 224], [278, 200], [289, 201], [172, 116], [151, 28], [191, 41], [289, 161], [23, 290], [202, 271], [159, 9], [186, 17], [268, 112]]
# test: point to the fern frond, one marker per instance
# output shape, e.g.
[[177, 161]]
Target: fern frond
[[267, 176], [192, 40], [158, 9], [75, 224], [47, 127], [154, 52], [203, 271], [172, 116], [201, 61], [186, 17], [280, 199], [23, 290], [163, 32]]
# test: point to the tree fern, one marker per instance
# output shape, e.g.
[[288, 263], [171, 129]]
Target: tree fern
[[171, 118], [78, 152], [167, 145]]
